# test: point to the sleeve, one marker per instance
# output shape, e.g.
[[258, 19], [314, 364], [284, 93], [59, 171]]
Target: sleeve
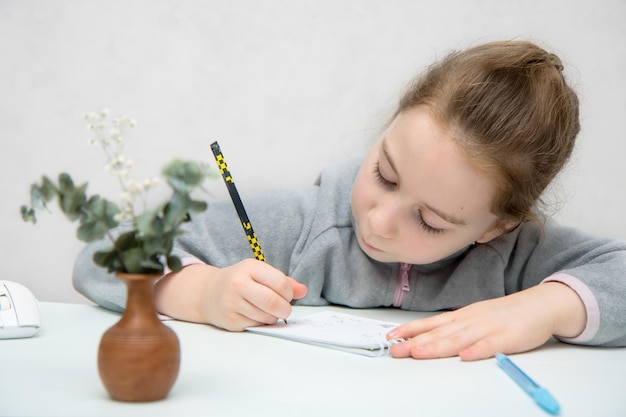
[[591, 307], [593, 267], [281, 221], [94, 282]]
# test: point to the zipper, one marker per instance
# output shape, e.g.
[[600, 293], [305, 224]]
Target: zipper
[[402, 284]]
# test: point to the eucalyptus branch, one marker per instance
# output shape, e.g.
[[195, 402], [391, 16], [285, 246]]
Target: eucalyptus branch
[[146, 247]]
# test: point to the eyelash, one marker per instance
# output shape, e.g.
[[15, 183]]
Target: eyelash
[[379, 176], [428, 228], [420, 220]]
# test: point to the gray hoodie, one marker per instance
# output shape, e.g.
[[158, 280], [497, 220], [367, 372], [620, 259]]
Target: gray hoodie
[[308, 233]]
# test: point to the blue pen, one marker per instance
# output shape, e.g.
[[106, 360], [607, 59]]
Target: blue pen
[[538, 393]]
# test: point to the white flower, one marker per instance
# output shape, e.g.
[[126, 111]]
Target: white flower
[[133, 187], [90, 117], [127, 197], [120, 217], [151, 182], [110, 133]]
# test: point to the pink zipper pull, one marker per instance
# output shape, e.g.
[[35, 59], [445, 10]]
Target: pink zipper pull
[[404, 276], [402, 285]]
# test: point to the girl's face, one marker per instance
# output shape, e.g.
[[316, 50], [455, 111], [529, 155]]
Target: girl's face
[[416, 199]]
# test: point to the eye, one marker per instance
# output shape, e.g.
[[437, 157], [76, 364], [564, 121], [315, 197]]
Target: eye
[[381, 179], [426, 227]]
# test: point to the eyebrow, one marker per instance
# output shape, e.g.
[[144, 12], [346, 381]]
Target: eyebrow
[[445, 216]]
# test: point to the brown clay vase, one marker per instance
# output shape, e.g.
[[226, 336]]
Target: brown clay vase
[[139, 357]]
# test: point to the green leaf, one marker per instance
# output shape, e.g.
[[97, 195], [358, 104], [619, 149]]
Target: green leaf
[[71, 198], [28, 215], [132, 260], [150, 224], [174, 263], [197, 206], [37, 199], [97, 217], [89, 231], [41, 194], [65, 182], [183, 176], [126, 241], [156, 245], [136, 261], [48, 189], [103, 210], [151, 265], [108, 259], [175, 211]]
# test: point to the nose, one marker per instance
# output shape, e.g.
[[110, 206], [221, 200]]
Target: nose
[[383, 218]]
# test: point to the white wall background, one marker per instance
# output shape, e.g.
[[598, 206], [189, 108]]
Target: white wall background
[[285, 85]]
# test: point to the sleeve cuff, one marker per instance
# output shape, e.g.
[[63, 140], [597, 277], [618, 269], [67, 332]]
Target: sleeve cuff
[[591, 306], [186, 261]]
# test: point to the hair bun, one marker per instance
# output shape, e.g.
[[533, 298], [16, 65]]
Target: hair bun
[[556, 61]]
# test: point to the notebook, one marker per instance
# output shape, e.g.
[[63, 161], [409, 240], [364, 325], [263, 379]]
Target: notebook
[[339, 331]]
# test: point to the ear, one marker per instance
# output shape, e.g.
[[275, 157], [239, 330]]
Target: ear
[[500, 228]]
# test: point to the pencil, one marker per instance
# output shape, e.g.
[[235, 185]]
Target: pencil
[[234, 195], [241, 211]]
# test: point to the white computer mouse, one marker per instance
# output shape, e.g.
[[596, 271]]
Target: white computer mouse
[[19, 311]]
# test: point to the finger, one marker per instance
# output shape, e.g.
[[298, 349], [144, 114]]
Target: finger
[[237, 313], [416, 327], [445, 341], [299, 290], [438, 349], [487, 347], [267, 275], [266, 300], [482, 349], [401, 350], [253, 316]]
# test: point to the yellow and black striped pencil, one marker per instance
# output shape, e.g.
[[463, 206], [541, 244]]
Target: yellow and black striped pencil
[[234, 195], [241, 211]]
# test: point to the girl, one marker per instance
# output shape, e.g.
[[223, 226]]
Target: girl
[[440, 215]]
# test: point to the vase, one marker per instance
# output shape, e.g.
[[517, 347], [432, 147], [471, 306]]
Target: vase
[[139, 357]]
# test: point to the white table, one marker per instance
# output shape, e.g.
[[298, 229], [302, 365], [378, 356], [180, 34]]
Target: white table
[[243, 374]]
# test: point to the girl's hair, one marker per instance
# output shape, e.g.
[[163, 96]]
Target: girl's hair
[[512, 113]]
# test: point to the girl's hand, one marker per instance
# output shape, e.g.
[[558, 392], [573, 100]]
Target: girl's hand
[[248, 293], [514, 323]]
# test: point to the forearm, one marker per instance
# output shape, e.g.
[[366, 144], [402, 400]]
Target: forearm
[[515, 323]]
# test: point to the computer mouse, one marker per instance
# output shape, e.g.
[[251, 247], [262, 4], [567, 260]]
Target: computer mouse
[[19, 311]]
